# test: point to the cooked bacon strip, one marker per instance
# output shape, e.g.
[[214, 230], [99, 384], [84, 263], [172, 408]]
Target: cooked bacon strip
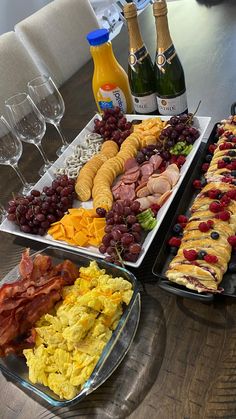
[[26, 264], [23, 302]]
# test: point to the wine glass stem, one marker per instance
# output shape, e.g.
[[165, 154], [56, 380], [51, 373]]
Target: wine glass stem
[[40, 149], [23, 180], [59, 130]]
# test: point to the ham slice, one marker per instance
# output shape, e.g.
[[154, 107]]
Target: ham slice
[[127, 192], [131, 178], [116, 186], [155, 160], [147, 169], [132, 170]]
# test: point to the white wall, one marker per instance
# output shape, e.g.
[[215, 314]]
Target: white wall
[[13, 11]]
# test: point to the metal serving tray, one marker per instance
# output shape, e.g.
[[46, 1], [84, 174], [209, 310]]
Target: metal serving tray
[[183, 202]]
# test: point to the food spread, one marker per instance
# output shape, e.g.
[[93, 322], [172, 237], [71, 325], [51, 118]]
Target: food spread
[[60, 317], [136, 162], [208, 235], [69, 342]]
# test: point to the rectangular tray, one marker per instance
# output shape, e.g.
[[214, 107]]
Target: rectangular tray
[[200, 122], [113, 353], [184, 200]]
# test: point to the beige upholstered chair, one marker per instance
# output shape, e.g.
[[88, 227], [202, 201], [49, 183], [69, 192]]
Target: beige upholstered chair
[[55, 36], [16, 67]]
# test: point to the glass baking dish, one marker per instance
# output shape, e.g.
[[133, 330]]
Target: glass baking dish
[[115, 350]]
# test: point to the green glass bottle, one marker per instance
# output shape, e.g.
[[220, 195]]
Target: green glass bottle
[[169, 73], [140, 69]]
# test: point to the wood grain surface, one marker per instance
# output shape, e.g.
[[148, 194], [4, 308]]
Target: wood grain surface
[[182, 363]]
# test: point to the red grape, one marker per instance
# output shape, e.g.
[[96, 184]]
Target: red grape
[[135, 248], [37, 211], [127, 238], [113, 126], [102, 249], [101, 212]]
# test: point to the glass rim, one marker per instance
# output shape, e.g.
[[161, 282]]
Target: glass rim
[[11, 101], [5, 122], [39, 80]]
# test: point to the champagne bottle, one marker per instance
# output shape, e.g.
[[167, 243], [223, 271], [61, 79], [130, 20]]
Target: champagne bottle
[[170, 81], [140, 69]]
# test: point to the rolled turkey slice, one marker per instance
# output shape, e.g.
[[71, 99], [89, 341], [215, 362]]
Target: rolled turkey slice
[[172, 174], [143, 192], [158, 185], [163, 198], [144, 203]]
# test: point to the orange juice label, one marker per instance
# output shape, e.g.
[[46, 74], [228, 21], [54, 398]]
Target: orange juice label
[[110, 95]]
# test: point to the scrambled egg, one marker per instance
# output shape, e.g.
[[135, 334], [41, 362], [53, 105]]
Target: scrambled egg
[[71, 339]]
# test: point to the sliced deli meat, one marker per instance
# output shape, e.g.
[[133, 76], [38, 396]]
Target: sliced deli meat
[[156, 161], [130, 163], [147, 169], [158, 185], [172, 173], [127, 192]]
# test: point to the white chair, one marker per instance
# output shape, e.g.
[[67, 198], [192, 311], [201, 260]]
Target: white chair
[[16, 67], [55, 36]]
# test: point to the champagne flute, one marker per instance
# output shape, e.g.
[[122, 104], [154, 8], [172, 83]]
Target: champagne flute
[[11, 151], [49, 101], [27, 123]]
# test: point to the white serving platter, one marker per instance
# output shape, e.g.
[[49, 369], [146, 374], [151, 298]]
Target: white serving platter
[[200, 122]]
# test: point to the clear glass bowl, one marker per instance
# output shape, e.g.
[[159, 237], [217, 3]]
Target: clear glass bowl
[[115, 350]]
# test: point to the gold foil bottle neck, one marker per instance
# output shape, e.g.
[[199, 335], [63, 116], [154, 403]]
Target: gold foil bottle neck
[[130, 10], [159, 8]]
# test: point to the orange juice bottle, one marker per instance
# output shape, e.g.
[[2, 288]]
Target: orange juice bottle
[[110, 81]]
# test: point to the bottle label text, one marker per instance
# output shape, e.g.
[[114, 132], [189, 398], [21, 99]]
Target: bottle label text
[[145, 104], [172, 106]]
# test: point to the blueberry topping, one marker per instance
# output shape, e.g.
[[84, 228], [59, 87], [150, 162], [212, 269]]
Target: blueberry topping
[[177, 228], [230, 137], [226, 159], [215, 235], [201, 254], [173, 250], [231, 153], [208, 158], [232, 267], [203, 181], [233, 173], [220, 195]]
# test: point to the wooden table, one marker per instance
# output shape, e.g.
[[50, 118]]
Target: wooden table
[[182, 362]]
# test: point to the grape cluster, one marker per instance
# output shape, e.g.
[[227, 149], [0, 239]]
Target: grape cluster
[[37, 211], [123, 232], [179, 129], [113, 125], [145, 153]]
